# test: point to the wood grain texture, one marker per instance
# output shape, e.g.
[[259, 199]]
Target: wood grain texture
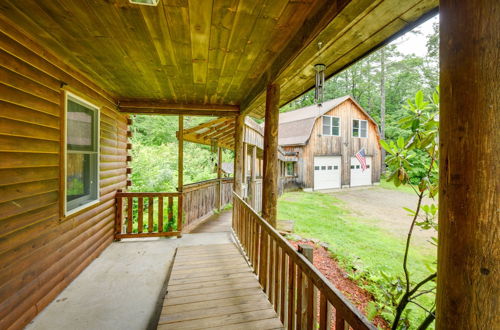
[[271, 174], [41, 251], [468, 288]]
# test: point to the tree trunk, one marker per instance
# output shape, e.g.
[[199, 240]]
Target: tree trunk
[[271, 170], [468, 288]]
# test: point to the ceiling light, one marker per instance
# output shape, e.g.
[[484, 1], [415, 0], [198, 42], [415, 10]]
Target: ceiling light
[[145, 2]]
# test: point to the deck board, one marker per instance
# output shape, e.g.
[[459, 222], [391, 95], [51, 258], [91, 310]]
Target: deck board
[[212, 286]]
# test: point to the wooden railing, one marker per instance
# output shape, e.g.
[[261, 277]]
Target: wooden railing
[[148, 214], [201, 199], [300, 294]]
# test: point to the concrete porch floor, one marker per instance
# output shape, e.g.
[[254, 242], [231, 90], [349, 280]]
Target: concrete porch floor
[[124, 287]]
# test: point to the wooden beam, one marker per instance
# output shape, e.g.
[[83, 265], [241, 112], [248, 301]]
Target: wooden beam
[[219, 176], [271, 170], [468, 287], [238, 153], [180, 173], [204, 125], [159, 107]]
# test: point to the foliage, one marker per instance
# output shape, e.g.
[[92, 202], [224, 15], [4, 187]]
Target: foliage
[[155, 150], [371, 256], [422, 121]]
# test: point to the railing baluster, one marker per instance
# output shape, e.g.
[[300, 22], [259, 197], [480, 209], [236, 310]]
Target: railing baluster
[[291, 294], [340, 323], [140, 210], [271, 272], [276, 277], [263, 260], [170, 210], [323, 312], [299, 297], [130, 219], [282, 285], [179, 213], [310, 298], [150, 214], [160, 214]]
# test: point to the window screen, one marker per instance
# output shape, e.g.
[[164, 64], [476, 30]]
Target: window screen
[[81, 153]]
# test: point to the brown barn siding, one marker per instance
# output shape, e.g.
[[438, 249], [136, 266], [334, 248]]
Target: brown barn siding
[[40, 250], [332, 145]]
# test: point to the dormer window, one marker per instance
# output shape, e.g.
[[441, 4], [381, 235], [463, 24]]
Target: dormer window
[[331, 126], [360, 128]]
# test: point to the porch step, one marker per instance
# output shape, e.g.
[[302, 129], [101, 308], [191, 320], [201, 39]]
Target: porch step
[[212, 286]]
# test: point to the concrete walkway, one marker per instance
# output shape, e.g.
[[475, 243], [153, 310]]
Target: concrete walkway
[[123, 288]]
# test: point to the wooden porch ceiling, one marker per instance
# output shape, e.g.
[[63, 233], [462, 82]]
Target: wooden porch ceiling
[[209, 56]]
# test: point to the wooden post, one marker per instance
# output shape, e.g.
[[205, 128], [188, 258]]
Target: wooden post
[[180, 174], [119, 216], [271, 170], [468, 285], [253, 177], [238, 154], [219, 178], [244, 169]]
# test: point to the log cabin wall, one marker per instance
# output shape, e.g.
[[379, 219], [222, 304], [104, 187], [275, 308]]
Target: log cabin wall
[[344, 145], [41, 251]]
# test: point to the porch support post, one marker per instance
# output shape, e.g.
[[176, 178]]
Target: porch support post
[[180, 173], [244, 169], [238, 154], [468, 287], [253, 176], [219, 178], [271, 169]]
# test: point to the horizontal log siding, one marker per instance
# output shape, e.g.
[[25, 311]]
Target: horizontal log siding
[[40, 250]]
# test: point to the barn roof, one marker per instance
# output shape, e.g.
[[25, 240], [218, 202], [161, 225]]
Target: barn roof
[[296, 126]]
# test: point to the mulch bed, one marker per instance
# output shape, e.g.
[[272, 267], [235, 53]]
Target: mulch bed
[[330, 268]]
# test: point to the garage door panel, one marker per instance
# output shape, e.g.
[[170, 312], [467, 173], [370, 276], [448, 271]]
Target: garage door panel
[[327, 172], [360, 177]]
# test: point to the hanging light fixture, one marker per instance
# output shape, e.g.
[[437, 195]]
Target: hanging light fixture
[[320, 83]]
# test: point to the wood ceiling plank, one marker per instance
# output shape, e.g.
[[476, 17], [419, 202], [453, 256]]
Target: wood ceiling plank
[[204, 125], [246, 17], [223, 17], [200, 15]]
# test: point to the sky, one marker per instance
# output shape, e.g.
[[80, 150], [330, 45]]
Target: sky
[[415, 43]]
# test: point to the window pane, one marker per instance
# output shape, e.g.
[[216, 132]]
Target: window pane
[[335, 131], [316, 168], [363, 124], [81, 127], [355, 123], [326, 121], [326, 130], [335, 167], [364, 133], [335, 121], [329, 168], [323, 168], [355, 132], [78, 176]]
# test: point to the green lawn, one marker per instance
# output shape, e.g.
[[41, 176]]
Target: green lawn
[[362, 249], [390, 185]]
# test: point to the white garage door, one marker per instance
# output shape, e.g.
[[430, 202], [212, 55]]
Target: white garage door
[[327, 172], [358, 176]]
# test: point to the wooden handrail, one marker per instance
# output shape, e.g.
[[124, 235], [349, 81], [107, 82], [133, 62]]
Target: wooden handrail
[[295, 298]]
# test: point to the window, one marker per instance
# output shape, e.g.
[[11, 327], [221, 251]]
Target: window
[[352, 167], [329, 168], [357, 167], [331, 126], [290, 169], [335, 167], [316, 168], [82, 146], [367, 166], [323, 168], [359, 128]]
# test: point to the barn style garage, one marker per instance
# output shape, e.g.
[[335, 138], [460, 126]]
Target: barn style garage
[[326, 139]]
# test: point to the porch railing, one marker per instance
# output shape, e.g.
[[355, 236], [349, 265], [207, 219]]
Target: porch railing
[[300, 294], [201, 199], [169, 214], [148, 214]]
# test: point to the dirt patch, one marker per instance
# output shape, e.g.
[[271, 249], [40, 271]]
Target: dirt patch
[[384, 208], [338, 277]]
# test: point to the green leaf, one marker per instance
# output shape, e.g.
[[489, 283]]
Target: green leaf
[[401, 142], [419, 99]]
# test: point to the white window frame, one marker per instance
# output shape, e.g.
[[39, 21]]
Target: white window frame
[[75, 98], [331, 125], [359, 128]]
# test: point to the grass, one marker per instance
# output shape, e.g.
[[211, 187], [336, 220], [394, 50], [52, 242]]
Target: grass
[[390, 185], [361, 248]]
